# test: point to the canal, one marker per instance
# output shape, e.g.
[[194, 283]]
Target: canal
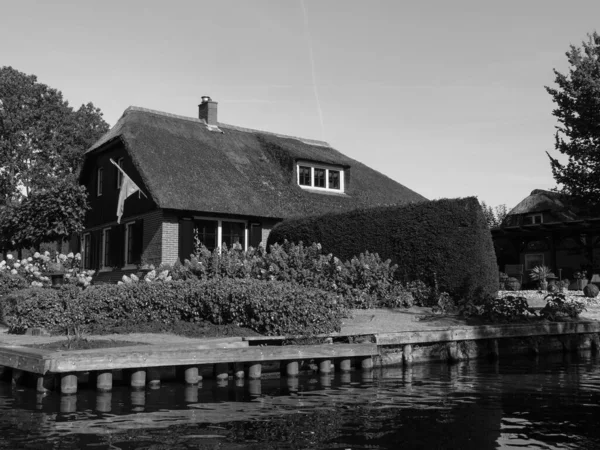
[[550, 402]]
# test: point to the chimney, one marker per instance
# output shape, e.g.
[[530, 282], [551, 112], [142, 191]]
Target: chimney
[[207, 110]]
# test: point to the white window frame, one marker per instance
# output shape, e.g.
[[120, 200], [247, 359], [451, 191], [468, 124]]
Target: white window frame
[[103, 266], [220, 229], [99, 181], [327, 168], [126, 264], [533, 217], [86, 238], [119, 173]]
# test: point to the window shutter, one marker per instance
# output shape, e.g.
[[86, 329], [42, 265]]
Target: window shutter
[[116, 246], [138, 241], [186, 239]]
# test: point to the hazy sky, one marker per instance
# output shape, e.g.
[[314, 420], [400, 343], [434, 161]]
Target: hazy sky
[[445, 97]]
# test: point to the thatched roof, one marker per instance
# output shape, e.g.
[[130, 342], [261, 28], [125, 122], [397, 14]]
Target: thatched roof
[[187, 166], [546, 201]]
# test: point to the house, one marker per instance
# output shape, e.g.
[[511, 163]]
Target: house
[[548, 228], [226, 183]]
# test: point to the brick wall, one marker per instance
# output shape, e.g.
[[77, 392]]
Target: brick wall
[[170, 239], [267, 226]]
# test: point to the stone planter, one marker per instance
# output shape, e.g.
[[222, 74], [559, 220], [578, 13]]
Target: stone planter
[[57, 278]]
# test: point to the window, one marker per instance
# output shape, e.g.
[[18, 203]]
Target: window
[[532, 219], [99, 181], [320, 177], [106, 260], [212, 233], [533, 260], [119, 173], [133, 242], [207, 231], [233, 233], [86, 249], [304, 176]]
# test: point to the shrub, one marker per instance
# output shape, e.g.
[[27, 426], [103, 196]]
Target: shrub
[[512, 284], [268, 307], [9, 283], [507, 308], [590, 290], [558, 307], [444, 238]]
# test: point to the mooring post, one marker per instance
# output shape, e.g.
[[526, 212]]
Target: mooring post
[[138, 399], [254, 387], [292, 384], [138, 379], [452, 349], [68, 383], [407, 356], [191, 375], [104, 380], [222, 371], [238, 370], [254, 371], [345, 365], [325, 380], [103, 401], [325, 366], [44, 383], [346, 378]]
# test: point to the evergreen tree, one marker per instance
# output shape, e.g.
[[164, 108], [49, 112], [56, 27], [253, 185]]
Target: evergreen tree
[[577, 99]]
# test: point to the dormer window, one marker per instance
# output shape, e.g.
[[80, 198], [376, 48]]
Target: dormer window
[[532, 219], [320, 177]]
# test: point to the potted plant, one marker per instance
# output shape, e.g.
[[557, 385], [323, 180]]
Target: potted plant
[[580, 280], [56, 272], [541, 275]]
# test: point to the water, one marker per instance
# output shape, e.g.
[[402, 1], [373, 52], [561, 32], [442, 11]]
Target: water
[[548, 403]]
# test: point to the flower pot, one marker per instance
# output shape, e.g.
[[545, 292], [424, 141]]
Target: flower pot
[[57, 279]]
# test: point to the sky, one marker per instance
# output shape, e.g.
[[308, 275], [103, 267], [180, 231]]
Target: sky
[[445, 97]]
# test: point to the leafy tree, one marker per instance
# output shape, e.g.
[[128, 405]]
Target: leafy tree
[[577, 99], [494, 216], [42, 143], [42, 139]]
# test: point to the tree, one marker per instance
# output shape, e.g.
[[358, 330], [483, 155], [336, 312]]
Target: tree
[[42, 143], [577, 100], [42, 139], [494, 216]]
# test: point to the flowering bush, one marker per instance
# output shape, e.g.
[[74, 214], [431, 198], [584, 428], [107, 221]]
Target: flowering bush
[[558, 307], [35, 268], [151, 277]]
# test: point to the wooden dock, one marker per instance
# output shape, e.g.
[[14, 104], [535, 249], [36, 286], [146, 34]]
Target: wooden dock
[[225, 358]]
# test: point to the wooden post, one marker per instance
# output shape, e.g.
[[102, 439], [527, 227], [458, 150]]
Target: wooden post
[[18, 377], [346, 378], [254, 371], [366, 363], [254, 387], [325, 366], [407, 356], [104, 380], [68, 383], [292, 368], [452, 350], [292, 384], [190, 394], [153, 377], [345, 365], [138, 379], [191, 376], [238, 370], [138, 399], [493, 346], [222, 371], [103, 401], [68, 404], [325, 380], [44, 383]]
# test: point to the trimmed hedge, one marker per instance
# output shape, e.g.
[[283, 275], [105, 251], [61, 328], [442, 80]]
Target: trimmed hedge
[[444, 243], [268, 307], [9, 283]]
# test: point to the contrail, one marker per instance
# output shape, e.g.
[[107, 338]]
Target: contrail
[[312, 67]]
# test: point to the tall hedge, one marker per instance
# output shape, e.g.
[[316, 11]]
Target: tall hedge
[[445, 241]]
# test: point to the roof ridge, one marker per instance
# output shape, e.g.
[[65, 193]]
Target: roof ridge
[[225, 125]]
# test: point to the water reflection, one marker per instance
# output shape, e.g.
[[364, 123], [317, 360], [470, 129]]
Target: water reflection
[[543, 402]]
